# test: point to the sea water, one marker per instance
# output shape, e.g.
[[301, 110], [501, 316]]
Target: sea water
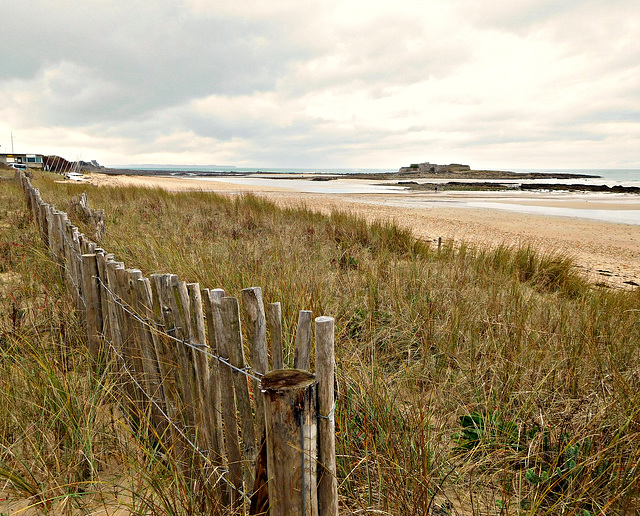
[[630, 214], [610, 177]]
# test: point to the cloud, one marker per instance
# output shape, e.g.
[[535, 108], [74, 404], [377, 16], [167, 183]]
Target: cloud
[[331, 82], [143, 54]]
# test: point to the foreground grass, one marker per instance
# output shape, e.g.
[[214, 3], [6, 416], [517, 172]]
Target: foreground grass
[[64, 446], [53, 439], [471, 380]]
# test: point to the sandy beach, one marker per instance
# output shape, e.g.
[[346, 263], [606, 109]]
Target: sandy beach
[[594, 229]]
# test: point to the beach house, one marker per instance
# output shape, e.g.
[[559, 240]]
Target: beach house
[[30, 160]]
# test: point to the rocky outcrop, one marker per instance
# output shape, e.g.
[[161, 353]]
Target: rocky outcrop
[[581, 188], [90, 166]]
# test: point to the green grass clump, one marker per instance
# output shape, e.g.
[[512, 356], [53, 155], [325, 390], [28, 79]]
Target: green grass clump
[[481, 381]]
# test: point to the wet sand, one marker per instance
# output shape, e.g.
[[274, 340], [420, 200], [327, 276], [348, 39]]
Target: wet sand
[[606, 252]]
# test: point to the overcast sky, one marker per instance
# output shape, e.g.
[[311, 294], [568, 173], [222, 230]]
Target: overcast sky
[[331, 83]]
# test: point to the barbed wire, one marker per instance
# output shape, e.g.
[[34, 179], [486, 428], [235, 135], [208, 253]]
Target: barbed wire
[[255, 375], [153, 327], [202, 348], [222, 471]]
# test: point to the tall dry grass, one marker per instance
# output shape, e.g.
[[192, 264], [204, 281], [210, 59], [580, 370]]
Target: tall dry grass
[[472, 381], [54, 436]]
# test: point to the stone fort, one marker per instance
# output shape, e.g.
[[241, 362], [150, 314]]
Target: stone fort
[[432, 168]]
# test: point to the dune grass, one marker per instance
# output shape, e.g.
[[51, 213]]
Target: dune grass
[[53, 436], [471, 380]]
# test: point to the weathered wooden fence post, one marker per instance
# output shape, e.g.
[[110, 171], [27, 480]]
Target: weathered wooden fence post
[[200, 362], [302, 352], [102, 259], [229, 413], [233, 341], [212, 384], [164, 315], [325, 371], [185, 354], [292, 441], [51, 237], [150, 358], [44, 223], [93, 303], [275, 331], [257, 333], [57, 228]]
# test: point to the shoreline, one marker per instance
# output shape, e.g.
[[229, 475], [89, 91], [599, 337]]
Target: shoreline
[[329, 176], [606, 252]]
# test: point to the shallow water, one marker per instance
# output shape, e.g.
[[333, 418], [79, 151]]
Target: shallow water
[[606, 207], [628, 216], [615, 208]]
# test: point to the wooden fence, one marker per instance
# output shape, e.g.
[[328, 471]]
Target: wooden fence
[[258, 440]]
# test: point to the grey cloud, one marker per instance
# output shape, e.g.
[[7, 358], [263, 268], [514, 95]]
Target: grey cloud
[[305, 142], [323, 146], [148, 54]]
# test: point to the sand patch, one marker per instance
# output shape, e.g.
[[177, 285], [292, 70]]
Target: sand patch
[[9, 281], [176, 184]]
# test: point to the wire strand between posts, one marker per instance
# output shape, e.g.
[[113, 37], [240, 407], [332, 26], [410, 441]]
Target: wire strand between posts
[[202, 348], [221, 471]]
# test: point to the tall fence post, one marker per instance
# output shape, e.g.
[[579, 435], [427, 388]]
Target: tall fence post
[[302, 351], [290, 410], [228, 403], [212, 385], [233, 341], [102, 259], [44, 223], [325, 371], [185, 354], [168, 362], [257, 335], [275, 331], [93, 304], [200, 362], [150, 357]]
